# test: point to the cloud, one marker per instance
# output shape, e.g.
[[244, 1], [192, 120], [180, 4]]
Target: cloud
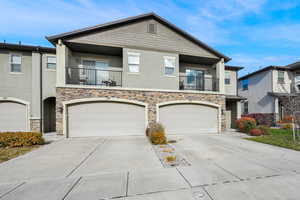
[[221, 10], [281, 34], [208, 31], [253, 62], [54, 16]]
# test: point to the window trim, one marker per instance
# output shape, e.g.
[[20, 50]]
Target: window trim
[[49, 69], [139, 65], [164, 66], [10, 63], [278, 78], [227, 72]]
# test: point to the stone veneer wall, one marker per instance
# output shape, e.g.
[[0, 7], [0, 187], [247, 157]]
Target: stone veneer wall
[[150, 97], [35, 125]]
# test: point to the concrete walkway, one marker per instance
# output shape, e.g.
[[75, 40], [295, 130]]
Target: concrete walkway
[[224, 167]]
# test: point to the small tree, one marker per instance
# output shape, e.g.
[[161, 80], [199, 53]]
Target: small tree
[[291, 104]]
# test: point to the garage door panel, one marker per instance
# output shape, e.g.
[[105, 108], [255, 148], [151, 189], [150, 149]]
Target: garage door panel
[[189, 118], [13, 116], [106, 119]]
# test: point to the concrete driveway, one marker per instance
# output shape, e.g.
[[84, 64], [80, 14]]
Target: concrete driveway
[[223, 167]]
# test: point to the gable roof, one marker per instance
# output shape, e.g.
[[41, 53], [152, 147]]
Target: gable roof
[[294, 66], [21, 47], [263, 70], [54, 38]]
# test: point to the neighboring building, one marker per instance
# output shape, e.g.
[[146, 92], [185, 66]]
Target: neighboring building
[[20, 87], [233, 100], [115, 78], [263, 88]]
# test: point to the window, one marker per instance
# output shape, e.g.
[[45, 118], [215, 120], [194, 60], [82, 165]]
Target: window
[[152, 28], [134, 62], [95, 71], [246, 107], [227, 77], [15, 63], [169, 63], [51, 62], [245, 83], [280, 76]]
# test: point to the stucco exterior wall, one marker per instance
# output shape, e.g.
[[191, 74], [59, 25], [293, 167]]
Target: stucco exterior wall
[[152, 74], [136, 35], [152, 98], [17, 85], [231, 89], [282, 87], [257, 94], [26, 85]]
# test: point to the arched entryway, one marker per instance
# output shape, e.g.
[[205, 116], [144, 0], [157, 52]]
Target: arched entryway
[[49, 121]]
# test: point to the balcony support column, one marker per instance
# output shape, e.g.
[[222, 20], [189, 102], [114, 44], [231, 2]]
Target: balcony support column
[[220, 72], [62, 55]]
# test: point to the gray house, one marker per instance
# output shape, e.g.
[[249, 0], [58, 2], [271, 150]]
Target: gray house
[[263, 88], [116, 78], [26, 72]]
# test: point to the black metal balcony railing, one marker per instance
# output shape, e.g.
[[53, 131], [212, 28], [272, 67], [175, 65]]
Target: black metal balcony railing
[[199, 83], [87, 76]]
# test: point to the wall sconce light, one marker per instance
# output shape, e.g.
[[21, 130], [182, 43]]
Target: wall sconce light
[[61, 109]]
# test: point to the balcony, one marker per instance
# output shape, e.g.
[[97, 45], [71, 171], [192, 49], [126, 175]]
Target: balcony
[[198, 83], [99, 77], [85, 75]]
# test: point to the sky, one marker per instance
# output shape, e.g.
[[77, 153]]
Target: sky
[[254, 33]]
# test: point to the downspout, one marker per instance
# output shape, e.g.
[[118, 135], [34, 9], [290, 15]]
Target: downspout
[[41, 90]]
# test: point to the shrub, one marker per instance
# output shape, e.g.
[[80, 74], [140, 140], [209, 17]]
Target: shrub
[[287, 126], [171, 158], [287, 119], [246, 124], [20, 139], [264, 129], [156, 133], [256, 132], [266, 119]]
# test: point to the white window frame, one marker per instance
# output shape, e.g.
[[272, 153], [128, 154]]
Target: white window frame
[[278, 81], [10, 63], [139, 63], [50, 69], [226, 73], [174, 67]]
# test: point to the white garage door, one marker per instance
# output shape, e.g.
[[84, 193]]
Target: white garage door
[[13, 116], [105, 119], [189, 118]]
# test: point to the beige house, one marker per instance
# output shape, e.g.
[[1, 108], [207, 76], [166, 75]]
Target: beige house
[[114, 79]]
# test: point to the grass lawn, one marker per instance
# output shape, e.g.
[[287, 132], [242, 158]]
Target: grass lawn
[[9, 153], [279, 137]]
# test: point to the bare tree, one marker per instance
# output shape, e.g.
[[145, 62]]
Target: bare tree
[[291, 105]]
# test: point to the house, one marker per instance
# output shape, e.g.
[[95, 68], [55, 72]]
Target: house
[[22, 81], [115, 78], [263, 89]]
